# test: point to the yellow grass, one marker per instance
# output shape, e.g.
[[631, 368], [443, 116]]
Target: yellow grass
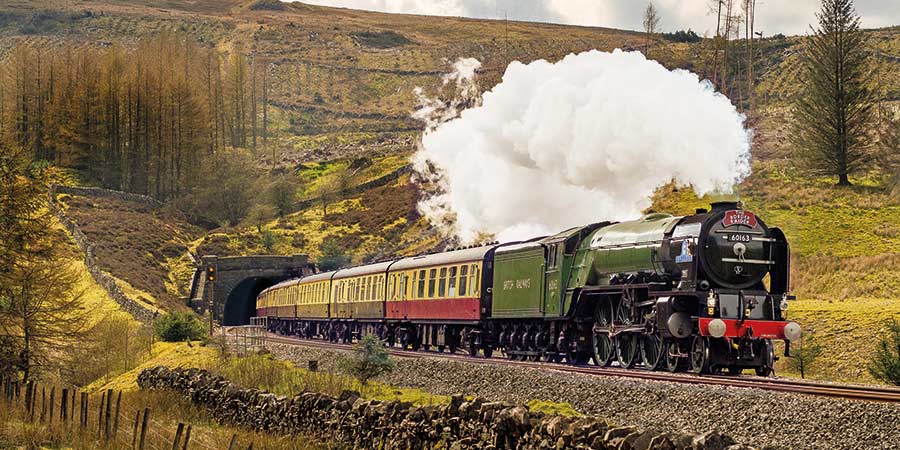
[[169, 354]]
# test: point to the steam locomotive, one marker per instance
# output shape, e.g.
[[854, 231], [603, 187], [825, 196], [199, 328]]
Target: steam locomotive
[[705, 293]]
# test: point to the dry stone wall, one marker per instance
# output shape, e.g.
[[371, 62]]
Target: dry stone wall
[[137, 310], [353, 422]]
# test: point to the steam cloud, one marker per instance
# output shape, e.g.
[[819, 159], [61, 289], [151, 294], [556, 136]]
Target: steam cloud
[[588, 138]]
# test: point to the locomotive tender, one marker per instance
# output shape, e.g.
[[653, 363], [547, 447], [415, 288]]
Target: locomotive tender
[[705, 293]]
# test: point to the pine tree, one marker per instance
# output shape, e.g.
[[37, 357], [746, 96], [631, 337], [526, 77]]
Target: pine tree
[[833, 112]]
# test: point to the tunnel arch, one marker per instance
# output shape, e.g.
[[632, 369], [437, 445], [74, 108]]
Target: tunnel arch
[[241, 303]]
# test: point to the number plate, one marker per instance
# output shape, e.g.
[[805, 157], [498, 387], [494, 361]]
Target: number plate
[[739, 238]]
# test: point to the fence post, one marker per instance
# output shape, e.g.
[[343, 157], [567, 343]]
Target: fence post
[[33, 400], [134, 430], [28, 388], [72, 409], [144, 427], [52, 404], [178, 432], [233, 441], [82, 419], [187, 437], [100, 415], [64, 406], [107, 414], [43, 404], [116, 420]]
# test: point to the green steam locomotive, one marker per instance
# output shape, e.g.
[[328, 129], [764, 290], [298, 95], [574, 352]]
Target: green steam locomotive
[[705, 293]]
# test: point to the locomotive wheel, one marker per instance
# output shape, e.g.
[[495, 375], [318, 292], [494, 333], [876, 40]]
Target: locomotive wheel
[[603, 314], [673, 362], [602, 349], [651, 351], [472, 348], [768, 352], [700, 355], [623, 309], [626, 349]]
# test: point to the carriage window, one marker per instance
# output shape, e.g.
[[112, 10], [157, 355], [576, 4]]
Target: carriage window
[[432, 277], [421, 293], [442, 284], [474, 282], [403, 279], [463, 280], [451, 282]]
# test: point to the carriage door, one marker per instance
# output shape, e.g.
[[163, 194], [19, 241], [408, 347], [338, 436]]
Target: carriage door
[[553, 280]]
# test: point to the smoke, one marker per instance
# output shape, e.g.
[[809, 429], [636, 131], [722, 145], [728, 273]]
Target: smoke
[[588, 138], [433, 111]]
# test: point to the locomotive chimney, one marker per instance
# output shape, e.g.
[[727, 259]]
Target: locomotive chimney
[[722, 206]]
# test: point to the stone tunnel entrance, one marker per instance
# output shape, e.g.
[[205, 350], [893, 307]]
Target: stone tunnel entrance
[[235, 282], [241, 303]]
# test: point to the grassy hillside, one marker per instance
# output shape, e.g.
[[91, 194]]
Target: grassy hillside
[[144, 249]]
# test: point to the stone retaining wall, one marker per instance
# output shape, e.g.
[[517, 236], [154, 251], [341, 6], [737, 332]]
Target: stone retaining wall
[[98, 192], [369, 424], [137, 310]]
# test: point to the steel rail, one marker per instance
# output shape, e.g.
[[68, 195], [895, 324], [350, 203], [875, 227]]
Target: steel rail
[[845, 391]]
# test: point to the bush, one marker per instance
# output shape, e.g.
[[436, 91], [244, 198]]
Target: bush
[[804, 354], [688, 36], [370, 358], [885, 365], [176, 327], [333, 255]]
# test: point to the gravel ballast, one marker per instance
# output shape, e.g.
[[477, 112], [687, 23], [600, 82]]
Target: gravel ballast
[[752, 416]]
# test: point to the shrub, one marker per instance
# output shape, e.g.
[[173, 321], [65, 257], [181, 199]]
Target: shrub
[[269, 241], [804, 354], [885, 364], [179, 326], [370, 358], [333, 255], [682, 36]]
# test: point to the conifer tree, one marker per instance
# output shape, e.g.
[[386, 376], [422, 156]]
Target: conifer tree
[[833, 112]]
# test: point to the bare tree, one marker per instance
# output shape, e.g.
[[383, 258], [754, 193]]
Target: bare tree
[[651, 22]]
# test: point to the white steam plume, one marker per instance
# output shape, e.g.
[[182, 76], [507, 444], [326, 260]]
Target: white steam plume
[[588, 138]]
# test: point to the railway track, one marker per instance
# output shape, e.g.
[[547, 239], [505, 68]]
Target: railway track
[[848, 391]]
